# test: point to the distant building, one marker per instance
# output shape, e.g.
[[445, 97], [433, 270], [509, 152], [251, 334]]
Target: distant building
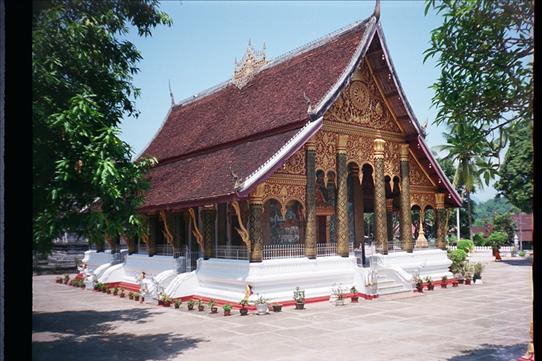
[[524, 225], [486, 229]]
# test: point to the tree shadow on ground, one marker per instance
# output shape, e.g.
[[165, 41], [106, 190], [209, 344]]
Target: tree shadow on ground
[[110, 346], [517, 262], [84, 322], [487, 352]]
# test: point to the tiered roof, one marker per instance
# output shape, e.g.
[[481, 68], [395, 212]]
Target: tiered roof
[[219, 145]]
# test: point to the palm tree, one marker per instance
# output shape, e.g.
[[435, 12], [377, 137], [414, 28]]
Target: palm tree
[[466, 148]]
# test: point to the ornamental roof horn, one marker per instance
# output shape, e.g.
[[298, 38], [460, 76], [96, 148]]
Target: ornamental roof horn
[[376, 12], [250, 64]]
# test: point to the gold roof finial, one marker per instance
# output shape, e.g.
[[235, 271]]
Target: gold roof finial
[[249, 65], [376, 13]]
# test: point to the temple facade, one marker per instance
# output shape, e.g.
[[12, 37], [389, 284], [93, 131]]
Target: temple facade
[[312, 162]]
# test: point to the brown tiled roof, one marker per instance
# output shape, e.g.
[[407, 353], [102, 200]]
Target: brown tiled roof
[[273, 99], [207, 176]]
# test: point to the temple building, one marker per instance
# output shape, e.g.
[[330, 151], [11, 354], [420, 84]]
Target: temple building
[[307, 170]]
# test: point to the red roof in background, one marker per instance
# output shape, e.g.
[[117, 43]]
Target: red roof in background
[[524, 225], [273, 99]]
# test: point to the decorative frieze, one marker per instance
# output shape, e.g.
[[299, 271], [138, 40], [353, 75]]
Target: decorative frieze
[[422, 200]]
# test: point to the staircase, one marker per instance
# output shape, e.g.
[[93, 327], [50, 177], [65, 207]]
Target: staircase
[[393, 279]]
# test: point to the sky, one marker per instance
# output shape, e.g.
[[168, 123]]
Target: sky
[[199, 50]]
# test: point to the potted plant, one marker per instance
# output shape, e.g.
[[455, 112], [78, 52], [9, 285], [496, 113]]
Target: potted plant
[[299, 298], [115, 291], [419, 284], [244, 309], [177, 304], [338, 294], [468, 278], [130, 295], [66, 279], [166, 300], [108, 290], [444, 282], [277, 307], [261, 305], [429, 282], [477, 273], [455, 283], [212, 306], [190, 305], [355, 296], [136, 296], [58, 280], [200, 304], [227, 309], [122, 294], [460, 278]]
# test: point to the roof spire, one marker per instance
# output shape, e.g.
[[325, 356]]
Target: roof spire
[[171, 94], [376, 13]]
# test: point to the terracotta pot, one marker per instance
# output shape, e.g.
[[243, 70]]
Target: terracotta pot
[[277, 308], [177, 305], [214, 309], [430, 287], [467, 281], [243, 311], [166, 304], [460, 281], [122, 295], [355, 299], [201, 308], [419, 288], [443, 285], [299, 306], [131, 297], [190, 307], [136, 298], [227, 313]]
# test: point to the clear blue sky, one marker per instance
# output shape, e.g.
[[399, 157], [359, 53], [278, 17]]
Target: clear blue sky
[[199, 49]]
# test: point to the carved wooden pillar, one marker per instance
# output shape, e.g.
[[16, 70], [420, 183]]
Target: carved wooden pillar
[[153, 232], [208, 217], [405, 218], [341, 210], [421, 241], [441, 221], [255, 224], [310, 200], [358, 211], [389, 221], [381, 231], [132, 248]]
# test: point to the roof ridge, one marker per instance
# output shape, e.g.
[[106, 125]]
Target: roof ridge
[[277, 60]]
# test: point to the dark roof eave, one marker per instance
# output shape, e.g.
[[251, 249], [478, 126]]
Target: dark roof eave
[[190, 203]]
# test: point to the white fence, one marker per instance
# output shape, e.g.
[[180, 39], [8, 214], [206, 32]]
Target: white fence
[[484, 254]]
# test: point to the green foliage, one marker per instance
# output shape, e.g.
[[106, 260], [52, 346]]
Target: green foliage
[[82, 71], [458, 258], [478, 267], [516, 173], [497, 239], [521, 253], [227, 307], [479, 239], [466, 245], [485, 52], [505, 223], [484, 212]]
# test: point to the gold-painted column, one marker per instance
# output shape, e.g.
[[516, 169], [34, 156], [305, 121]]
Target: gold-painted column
[[341, 210], [255, 230], [421, 241], [310, 200], [358, 211], [389, 216], [405, 215], [381, 231], [441, 221], [208, 217]]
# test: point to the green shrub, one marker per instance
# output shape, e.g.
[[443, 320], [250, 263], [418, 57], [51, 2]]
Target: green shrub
[[521, 253], [465, 244], [458, 258], [497, 239], [479, 239]]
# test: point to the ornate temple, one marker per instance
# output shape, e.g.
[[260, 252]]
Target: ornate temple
[[306, 170]]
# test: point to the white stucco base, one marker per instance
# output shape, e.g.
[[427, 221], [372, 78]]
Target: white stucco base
[[275, 280]]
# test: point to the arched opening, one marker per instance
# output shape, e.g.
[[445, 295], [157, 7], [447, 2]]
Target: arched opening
[[332, 196], [284, 229], [429, 226], [368, 188], [415, 214]]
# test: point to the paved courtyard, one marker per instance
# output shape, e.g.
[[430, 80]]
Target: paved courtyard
[[480, 322]]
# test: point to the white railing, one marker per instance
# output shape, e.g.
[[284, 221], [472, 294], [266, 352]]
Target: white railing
[[274, 251], [231, 252]]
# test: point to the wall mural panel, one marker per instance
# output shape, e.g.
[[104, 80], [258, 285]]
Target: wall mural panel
[[284, 193]]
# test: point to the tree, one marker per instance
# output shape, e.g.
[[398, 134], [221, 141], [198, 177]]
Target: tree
[[516, 173], [485, 53], [82, 69], [505, 223], [464, 147], [485, 212]]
